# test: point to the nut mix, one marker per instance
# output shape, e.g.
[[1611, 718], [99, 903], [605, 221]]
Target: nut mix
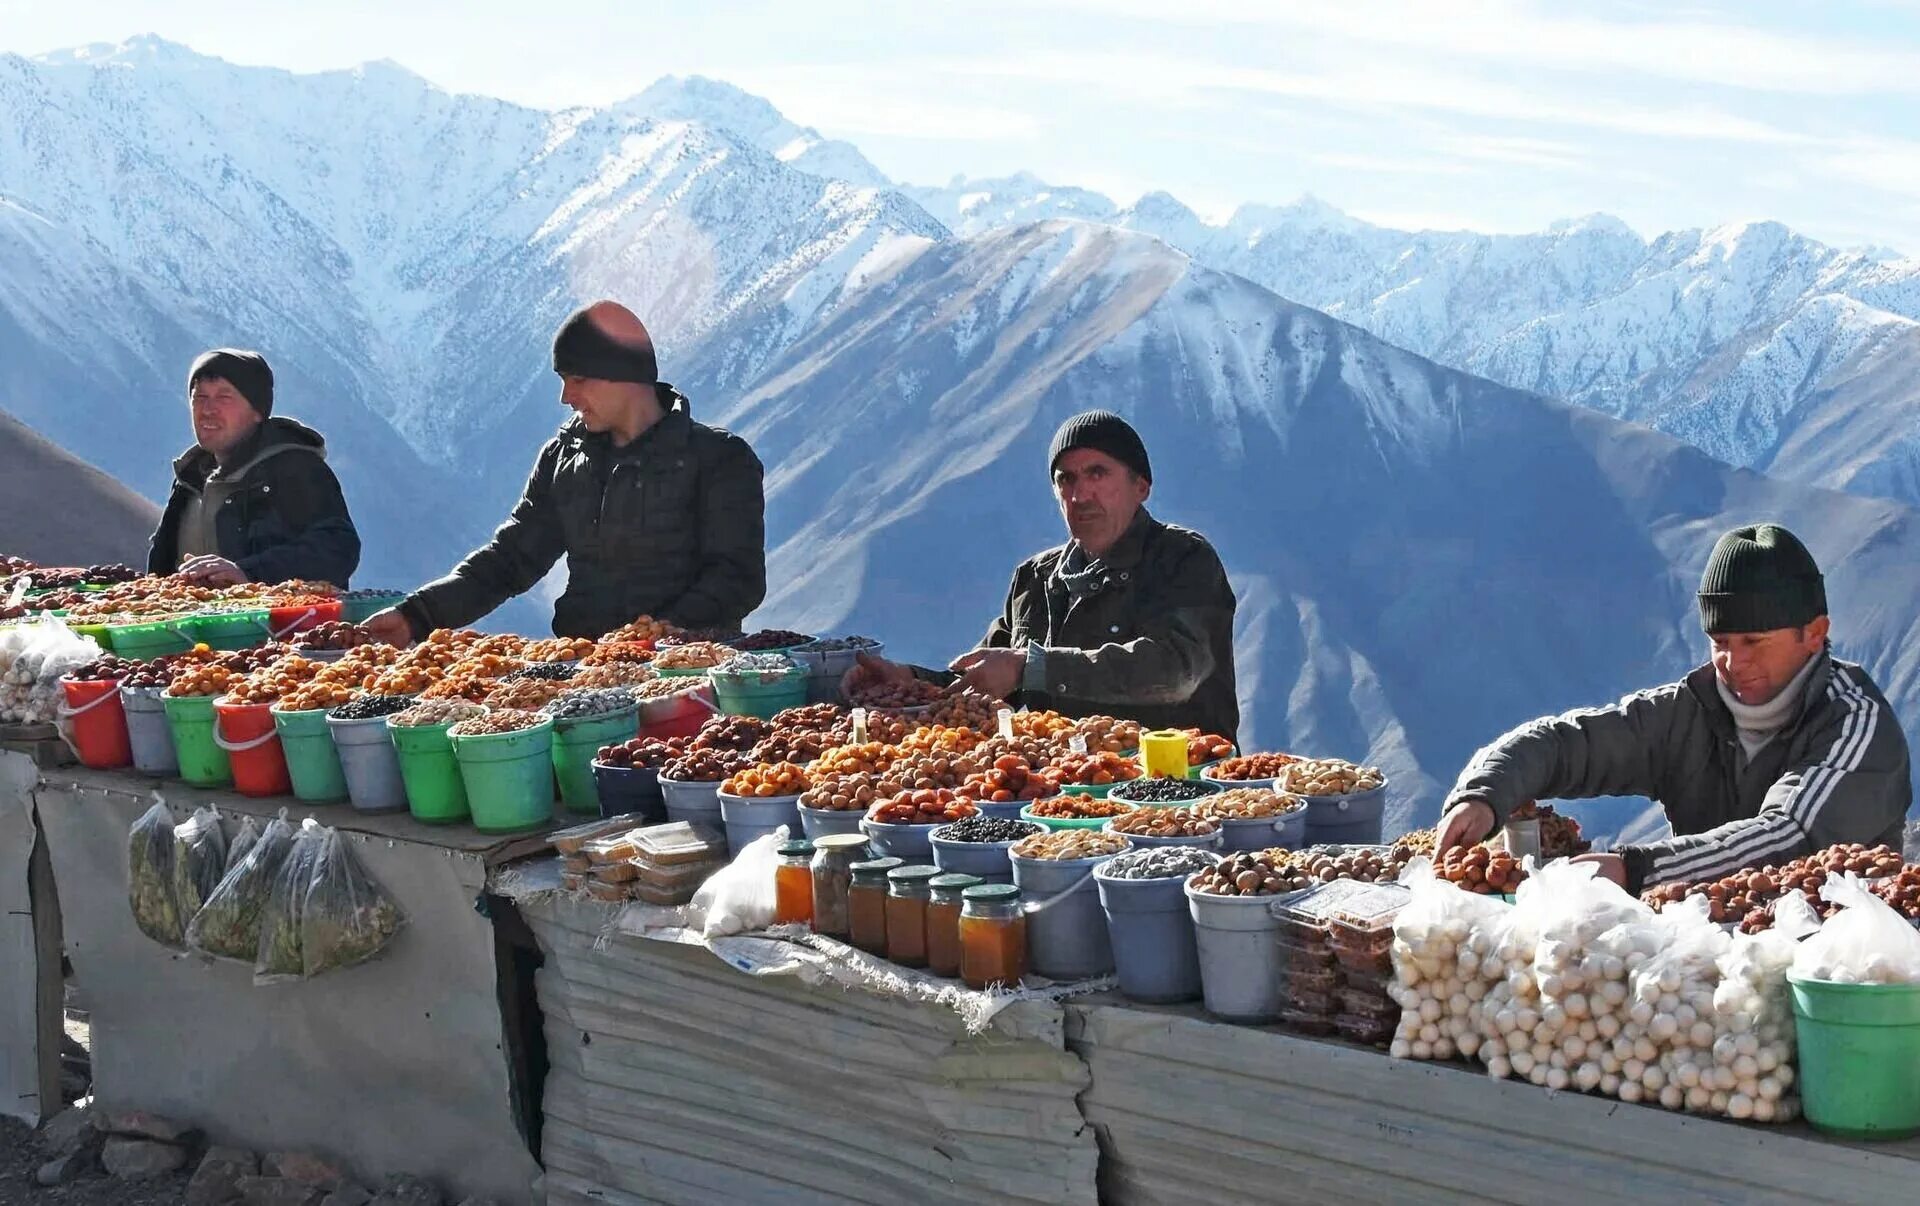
[[767, 779], [498, 720], [643, 753], [696, 655], [1248, 802], [528, 694], [913, 693], [1104, 733], [704, 766], [434, 712], [988, 829], [1009, 779], [1252, 766], [1159, 862], [1037, 752], [925, 771], [1095, 769], [1069, 844], [765, 668], [1330, 777], [1078, 807], [1252, 873], [926, 806], [855, 792], [580, 703], [1368, 864], [1166, 791], [1164, 822]]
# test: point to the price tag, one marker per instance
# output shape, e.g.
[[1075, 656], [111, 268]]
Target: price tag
[[1077, 743], [20, 590], [1004, 721], [859, 726]]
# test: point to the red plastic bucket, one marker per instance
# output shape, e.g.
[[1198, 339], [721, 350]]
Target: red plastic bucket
[[96, 724], [283, 622], [676, 715], [246, 732]]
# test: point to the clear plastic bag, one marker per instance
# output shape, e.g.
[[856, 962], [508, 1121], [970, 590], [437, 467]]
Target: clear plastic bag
[[279, 957], [32, 658], [1866, 942], [740, 897], [228, 925], [151, 891], [241, 842], [347, 917], [199, 860]]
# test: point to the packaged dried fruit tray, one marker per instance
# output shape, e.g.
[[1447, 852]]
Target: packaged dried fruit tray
[[613, 848], [1366, 1004], [680, 877], [1362, 934], [1365, 1028], [615, 873], [679, 842], [1311, 977], [569, 841], [1312, 952], [1306, 917]]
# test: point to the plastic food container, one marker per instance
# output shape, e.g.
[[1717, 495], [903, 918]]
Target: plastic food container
[[570, 841]]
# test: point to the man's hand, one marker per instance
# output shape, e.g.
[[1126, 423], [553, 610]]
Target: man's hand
[[208, 570], [869, 670], [1609, 866], [389, 627], [992, 672], [1465, 824]]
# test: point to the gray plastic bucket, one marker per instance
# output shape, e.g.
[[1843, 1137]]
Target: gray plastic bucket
[[1151, 930], [988, 860], [1141, 841], [1261, 833], [910, 842], [817, 823], [747, 818], [1066, 927], [370, 764], [148, 736], [692, 801], [1236, 938], [1348, 820], [1004, 810]]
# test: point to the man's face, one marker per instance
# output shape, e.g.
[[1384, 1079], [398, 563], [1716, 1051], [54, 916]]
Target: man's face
[[601, 405], [1098, 497], [1756, 666], [222, 416]]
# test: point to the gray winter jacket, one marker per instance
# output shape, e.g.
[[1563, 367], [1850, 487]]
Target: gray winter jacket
[[1837, 773]]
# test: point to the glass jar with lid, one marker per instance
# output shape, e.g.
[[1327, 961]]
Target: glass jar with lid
[[943, 921], [833, 858], [993, 936], [907, 896], [867, 904], [793, 883]]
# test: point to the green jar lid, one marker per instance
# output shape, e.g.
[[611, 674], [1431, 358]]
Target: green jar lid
[[951, 884], [874, 870], [991, 894], [918, 873], [794, 849]]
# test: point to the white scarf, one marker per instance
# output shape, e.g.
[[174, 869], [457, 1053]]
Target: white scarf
[[1758, 724]]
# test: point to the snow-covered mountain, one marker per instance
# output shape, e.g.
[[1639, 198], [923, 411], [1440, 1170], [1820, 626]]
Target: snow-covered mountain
[[974, 206], [721, 105], [1423, 556]]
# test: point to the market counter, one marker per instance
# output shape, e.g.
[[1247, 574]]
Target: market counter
[[396, 1065]]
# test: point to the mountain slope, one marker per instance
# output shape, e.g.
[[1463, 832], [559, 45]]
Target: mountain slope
[[721, 105], [62, 511]]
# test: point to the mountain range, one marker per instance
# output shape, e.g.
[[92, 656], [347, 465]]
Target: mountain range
[[1425, 551]]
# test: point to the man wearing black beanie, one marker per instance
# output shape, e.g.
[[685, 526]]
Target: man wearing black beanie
[[656, 514], [1131, 616], [253, 500], [1773, 750]]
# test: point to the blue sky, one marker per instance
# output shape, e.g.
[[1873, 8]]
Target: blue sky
[[1484, 114]]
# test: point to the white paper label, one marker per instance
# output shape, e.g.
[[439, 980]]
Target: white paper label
[[1005, 723], [859, 726]]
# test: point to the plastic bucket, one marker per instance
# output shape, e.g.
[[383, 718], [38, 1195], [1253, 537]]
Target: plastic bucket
[[1151, 931], [1202, 841], [910, 842], [629, 790], [144, 642], [1859, 1057], [692, 801], [202, 762], [1062, 822], [96, 724], [283, 622], [313, 765], [149, 736], [508, 777], [1347, 820], [1124, 792], [676, 715], [817, 823], [246, 733], [746, 695], [1261, 833], [825, 668], [748, 818], [228, 629], [369, 763], [988, 860], [575, 744], [1098, 791], [97, 633], [1005, 810], [1207, 776], [1239, 951], [436, 794], [1066, 929], [360, 610]]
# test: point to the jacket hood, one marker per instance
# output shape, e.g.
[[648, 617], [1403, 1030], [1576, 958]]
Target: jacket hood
[[275, 436]]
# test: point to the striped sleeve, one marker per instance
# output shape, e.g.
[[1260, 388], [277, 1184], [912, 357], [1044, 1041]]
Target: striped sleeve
[[1852, 786]]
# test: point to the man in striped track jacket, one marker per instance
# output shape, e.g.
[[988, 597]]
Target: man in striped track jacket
[[1773, 750]]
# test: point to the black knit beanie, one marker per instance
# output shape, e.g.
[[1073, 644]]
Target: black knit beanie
[[1102, 431], [1760, 578], [582, 349], [245, 371]]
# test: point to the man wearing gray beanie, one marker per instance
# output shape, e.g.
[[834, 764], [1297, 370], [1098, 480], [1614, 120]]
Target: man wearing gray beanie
[[1131, 617], [1773, 750]]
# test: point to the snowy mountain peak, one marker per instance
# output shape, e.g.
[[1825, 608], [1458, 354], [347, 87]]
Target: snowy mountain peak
[[755, 119], [139, 49], [1593, 224], [1307, 213]]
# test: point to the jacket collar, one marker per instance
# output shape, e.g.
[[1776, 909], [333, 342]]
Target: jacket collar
[[1701, 684], [670, 434], [1132, 545], [276, 435]]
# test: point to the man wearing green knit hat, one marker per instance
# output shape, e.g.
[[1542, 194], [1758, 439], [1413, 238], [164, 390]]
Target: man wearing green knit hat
[[1771, 751]]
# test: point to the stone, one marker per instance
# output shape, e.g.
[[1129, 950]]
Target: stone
[[139, 1124], [68, 1130], [308, 1168], [62, 1169], [217, 1181], [136, 1159], [347, 1195], [405, 1189], [278, 1191]]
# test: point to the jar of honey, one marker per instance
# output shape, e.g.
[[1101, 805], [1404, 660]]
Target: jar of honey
[[943, 921], [867, 904], [793, 883], [993, 936], [833, 858], [907, 896]]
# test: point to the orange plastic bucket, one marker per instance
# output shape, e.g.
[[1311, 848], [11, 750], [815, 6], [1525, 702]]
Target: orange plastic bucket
[[283, 622], [246, 733], [96, 724]]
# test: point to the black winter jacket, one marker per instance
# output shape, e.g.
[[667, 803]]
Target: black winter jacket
[[287, 518]]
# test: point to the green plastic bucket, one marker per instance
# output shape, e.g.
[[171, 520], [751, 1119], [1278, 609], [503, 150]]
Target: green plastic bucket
[[436, 793], [359, 609], [202, 762], [228, 629], [575, 743], [144, 642], [508, 777], [1058, 823], [747, 695], [97, 633], [312, 763], [1859, 1057]]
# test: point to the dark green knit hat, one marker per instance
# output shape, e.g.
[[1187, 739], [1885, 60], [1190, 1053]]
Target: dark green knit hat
[[1760, 578]]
